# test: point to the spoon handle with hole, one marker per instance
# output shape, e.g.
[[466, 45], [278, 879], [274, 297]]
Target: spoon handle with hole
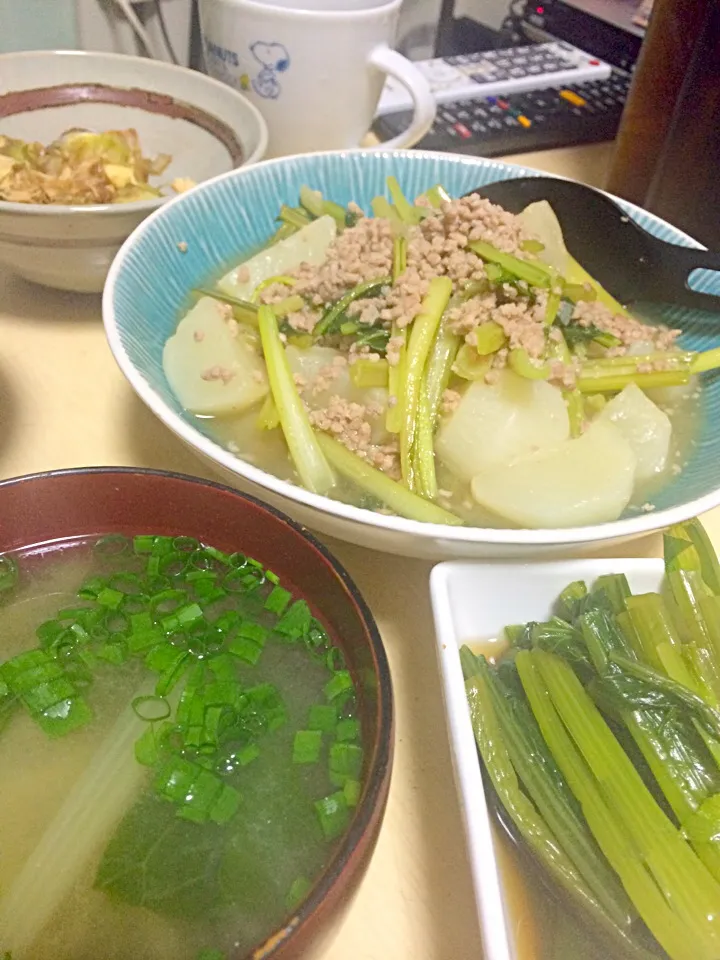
[[676, 265]]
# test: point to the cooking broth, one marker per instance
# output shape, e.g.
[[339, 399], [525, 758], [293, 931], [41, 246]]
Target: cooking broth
[[267, 450], [157, 886]]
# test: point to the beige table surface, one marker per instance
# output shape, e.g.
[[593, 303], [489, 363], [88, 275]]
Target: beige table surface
[[64, 403]]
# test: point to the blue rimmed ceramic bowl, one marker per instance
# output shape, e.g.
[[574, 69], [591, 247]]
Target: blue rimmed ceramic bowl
[[226, 218]]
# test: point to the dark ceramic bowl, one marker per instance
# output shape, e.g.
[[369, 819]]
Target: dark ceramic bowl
[[46, 507]]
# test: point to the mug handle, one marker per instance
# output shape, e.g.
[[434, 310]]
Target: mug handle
[[424, 106]]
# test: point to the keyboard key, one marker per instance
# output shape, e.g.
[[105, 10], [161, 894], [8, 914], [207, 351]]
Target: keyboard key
[[463, 131]]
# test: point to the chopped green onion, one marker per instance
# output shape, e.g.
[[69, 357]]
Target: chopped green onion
[[334, 815], [277, 600], [347, 729], [146, 748], [248, 754], [143, 543], [246, 649], [151, 709], [346, 760], [341, 683], [295, 622], [352, 790], [299, 890], [306, 746], [112, 545], [323, 717], [110, 598], [46, 691]]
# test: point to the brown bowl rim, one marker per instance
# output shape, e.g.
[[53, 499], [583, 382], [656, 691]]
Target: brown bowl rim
[[129, 96], [379, 773]]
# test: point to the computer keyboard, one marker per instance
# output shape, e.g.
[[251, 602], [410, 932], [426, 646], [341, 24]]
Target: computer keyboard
[[493, 72], [538, 119]]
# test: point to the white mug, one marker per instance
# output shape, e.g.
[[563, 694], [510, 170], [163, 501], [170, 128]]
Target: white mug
[[314, 73]]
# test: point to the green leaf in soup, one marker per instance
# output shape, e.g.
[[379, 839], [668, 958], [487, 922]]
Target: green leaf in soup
[[158, 861]]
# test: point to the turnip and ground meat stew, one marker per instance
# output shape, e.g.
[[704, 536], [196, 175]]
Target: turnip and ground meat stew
[[442, 360], [179, 746]]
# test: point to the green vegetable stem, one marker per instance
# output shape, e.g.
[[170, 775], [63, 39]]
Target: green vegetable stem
[[307, 456], [422, 335]]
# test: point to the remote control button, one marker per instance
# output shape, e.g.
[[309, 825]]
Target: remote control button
[[573, 98]]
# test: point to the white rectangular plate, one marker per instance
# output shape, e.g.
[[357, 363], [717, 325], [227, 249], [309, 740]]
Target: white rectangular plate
[[474, 602]]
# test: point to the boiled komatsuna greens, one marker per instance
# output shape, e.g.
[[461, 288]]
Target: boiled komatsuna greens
[[599, 730]]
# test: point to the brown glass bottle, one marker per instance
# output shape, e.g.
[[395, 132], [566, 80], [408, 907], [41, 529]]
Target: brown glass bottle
[[668, 150]]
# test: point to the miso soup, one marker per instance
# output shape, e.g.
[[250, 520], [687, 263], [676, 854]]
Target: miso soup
[[179, 748]]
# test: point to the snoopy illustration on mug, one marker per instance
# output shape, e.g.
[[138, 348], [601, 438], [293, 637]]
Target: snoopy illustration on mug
[[274, 59]]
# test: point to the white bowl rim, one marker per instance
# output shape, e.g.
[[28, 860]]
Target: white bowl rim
[[137, 206], [629, 527]]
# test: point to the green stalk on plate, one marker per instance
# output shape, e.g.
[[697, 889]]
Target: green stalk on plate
[[619, 688]]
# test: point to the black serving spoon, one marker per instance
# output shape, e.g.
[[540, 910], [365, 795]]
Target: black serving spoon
[[629, 262]]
